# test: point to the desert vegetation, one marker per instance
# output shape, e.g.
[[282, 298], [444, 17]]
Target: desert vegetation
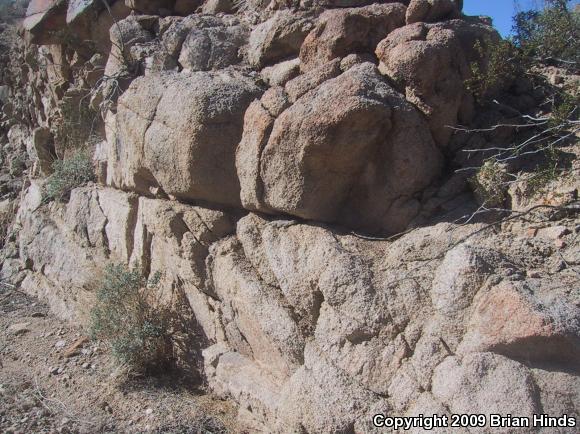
[[68, 173], [544, 39]]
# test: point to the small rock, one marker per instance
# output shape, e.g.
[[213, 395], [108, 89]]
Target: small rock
[[556, 79], [533, 274], [38, 315], [93, 366], [18, 328], [532, 232], [149, 411], [60, 343], [53, 370], [559, 243], [60, 370], [553, 232], [86, 365], [73, 350]]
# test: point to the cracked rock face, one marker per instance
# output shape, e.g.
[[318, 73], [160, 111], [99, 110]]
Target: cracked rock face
[[332, 162], [179, 132], [243, 145], [430, 63]]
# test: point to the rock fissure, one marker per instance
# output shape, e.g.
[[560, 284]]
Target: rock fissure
[[247, 149]]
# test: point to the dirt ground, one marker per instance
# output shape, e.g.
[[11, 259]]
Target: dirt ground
[[53, 380]]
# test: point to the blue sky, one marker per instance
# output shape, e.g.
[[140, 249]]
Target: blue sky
[[500, 10]]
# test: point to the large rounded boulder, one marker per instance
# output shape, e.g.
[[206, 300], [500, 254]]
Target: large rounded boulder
[[430, 63], [351, 150], [176, 133]]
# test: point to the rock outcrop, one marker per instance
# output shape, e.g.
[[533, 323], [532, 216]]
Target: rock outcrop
[[178, 133], [353, 162], [430, 63], [240, 151]]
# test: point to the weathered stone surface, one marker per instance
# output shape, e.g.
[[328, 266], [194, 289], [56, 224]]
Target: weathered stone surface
[[460, 276], [77, 8], [231, 375], [429, 11], [92, 19], [151, 7], [430, 63], [307, 325], [361, 145], [281, 73], [514, 321], [212, 48], [179, 132], [101, 225], [105, 218], [65, 272], [42, 150], [44, 18], [277, 39], [481, 382], [173, 239], [217, 6], [124, 35], [320, 398], [304, 83], [340, 32], [256, 321]]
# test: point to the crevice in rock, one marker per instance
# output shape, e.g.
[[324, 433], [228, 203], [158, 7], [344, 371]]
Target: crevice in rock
[[262, 146], [203, 222], [106, 245], [152, 119], [146, 257], [131, 224], [178, 228]]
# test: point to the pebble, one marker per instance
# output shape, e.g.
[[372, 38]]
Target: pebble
[[559, 266], [559, 243], [38, 315], [18, 328], [553, 232], [60, 343], [53, 370], [86, 365], [149, 411], [533, 274]]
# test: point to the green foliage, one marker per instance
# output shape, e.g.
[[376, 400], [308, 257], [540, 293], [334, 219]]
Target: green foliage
[[76, 128], [565, 108], [539, 36], [126, 318], [545, 173], [489, 183], [68, 174], [549, 34], [504, 64]]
